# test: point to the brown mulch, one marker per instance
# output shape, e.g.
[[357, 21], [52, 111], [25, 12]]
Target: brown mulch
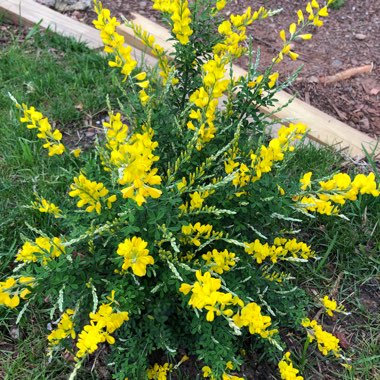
[[10, 33], [349, 38]]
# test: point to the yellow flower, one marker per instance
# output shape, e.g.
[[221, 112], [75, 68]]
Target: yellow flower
[[159, 372], [44, 206], [338, 189], [64, 329], [44, 249], [76, 152], [133, 160], [135, 254], [330, 305], [226, 376], [102, 323], [207, 372], [205, 295], [196, 199], [144, 97], [206, 99], [220, 4], [326, 342], [306, 181], [193, 233], [113, 41], [90, 193], [229, 365], [263, 161], [11, 290], [111, 200], [282, 249], [219, 261], [287, 371], [250, 316], [45, 132]]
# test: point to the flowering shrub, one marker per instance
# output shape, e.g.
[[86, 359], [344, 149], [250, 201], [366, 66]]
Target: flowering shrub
[[180, 232]]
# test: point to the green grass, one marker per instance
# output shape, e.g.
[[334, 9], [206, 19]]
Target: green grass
[[57, 76], [350, 269], [65, 80], [337, 4]]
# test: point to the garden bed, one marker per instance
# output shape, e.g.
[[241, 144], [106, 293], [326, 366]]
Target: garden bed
[[348, 39]]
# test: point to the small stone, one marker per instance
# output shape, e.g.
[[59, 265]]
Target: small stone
[[312, 79], [72, 5], [15, 332], [360, 36]]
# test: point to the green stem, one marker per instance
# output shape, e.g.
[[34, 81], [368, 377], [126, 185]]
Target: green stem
[[303, 357]]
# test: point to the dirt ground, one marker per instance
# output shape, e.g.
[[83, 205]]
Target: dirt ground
[[349, 39]]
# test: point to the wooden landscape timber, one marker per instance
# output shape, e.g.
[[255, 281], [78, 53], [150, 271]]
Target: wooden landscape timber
[[30, 13], [323, 128]]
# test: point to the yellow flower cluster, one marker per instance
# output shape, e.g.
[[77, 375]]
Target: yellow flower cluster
[[11, 290], [158, 51], [37, 121], [196, 200], [234, 31], [114, 44], [44, 206], [194, 232], [326, 342], [336, 190], [258, 81], [287, 371], [180, 15], [220, 4], [331, 306], [226, 376], [42, 249], [272, 275], [206, 99], [282, 249], [113, 41], [251, 317], [91, 193], [263, 161], [219, 261], [132, 158], [205, 295], [102, 323], [64, 329], [135, 254], [207, 374], [137, 172], [116, 135], [315, 12], [159, 372]]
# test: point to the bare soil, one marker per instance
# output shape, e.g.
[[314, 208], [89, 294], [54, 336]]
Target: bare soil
[[349, 39]]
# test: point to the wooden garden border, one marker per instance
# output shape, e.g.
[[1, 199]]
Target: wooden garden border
[[322, 128]]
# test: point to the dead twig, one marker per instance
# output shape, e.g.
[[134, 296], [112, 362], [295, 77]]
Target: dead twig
[[346, 74], [333, 294]]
